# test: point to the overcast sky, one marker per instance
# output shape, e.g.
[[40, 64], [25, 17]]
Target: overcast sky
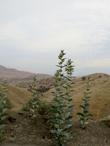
[[32, 33]]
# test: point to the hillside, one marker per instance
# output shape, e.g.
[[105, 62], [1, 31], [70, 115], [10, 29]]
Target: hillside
[[8, 73], [100, 94], [23, 130], [18, 97], [14, 76]]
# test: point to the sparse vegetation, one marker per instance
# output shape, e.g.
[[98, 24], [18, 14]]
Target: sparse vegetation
[[84, 114], [3, 110], [62, 106], [34, 104]]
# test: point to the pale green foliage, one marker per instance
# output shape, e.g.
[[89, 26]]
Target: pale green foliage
[[3, 110], [62, 106], [84, 114], [33, 106]]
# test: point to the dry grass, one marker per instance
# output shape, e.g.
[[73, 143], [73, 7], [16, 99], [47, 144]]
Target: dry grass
[[18, 97]]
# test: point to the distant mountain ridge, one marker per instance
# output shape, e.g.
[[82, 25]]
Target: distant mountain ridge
[[10, 74]]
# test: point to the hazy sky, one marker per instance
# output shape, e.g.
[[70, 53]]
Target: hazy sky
[[32, 33]]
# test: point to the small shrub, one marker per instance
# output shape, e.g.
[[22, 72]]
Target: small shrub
[[100, 76], [3, 110], [43, 89], [34, 105], [83, 78], [84, 114]]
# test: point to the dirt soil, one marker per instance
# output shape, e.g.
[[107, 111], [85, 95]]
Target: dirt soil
[[96, 134], [24, 131]]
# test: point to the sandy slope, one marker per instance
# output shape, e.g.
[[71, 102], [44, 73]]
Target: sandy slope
[[18, 97]]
